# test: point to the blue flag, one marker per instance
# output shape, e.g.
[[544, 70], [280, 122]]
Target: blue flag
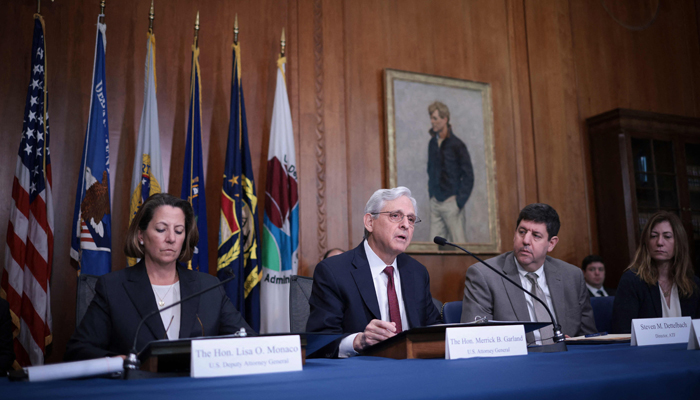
[[193, 173], [91, 230], [238, 230]]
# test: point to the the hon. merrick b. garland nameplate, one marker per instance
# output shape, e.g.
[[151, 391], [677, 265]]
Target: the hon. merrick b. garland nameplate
[[650, 331], [485, 341], [245, 356]]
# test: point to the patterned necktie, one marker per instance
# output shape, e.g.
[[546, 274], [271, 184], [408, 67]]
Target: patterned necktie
[[394, 312], [541, 313]]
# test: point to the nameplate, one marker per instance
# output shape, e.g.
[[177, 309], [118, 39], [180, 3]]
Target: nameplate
[[651, 331], [485, 341], [694, 342], [245, 356]]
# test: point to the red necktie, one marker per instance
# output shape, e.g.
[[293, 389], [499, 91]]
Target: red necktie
[[394, 312]]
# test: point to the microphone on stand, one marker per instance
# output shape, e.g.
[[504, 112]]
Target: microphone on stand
[[131, 362], [558, 338]]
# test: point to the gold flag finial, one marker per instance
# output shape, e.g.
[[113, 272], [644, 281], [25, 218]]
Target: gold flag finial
[[235, 30], [283, 42], [196, 30], [102, 11], [151, 17]]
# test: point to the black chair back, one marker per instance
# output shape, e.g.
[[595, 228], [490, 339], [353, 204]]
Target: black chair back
[[299, 294], [85, 291]]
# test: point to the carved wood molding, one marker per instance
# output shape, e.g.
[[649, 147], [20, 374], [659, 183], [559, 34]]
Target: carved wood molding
[[320, 130]]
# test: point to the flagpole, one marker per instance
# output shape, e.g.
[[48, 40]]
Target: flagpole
[[151, 17], [38, 6], [196, 30], [283, 42], [102, 11], [193, 106], [235, 30]]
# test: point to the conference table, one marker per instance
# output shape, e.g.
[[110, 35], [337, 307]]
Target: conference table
[[612, 371]]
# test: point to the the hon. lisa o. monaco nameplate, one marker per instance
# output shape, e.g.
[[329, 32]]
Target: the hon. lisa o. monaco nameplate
[[245, 356], [485, 341], [651, 331]]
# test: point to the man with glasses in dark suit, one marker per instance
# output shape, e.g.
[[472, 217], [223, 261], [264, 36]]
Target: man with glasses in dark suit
[[374, 291]]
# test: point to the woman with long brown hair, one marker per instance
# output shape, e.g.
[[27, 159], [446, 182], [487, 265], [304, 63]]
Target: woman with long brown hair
[[660, 282]]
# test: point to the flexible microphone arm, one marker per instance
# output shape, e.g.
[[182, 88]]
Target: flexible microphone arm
[[132, 361], [558, 335]]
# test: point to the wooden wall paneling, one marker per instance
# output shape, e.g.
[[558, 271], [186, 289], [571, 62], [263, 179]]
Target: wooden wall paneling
[[558, 153], [521, 104], [653, 69], [322, 111]]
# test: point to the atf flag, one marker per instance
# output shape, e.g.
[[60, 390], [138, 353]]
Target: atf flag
[[238, 228], [193, 173], [91, 231], [29, 250], [281, 232], [148, 173]]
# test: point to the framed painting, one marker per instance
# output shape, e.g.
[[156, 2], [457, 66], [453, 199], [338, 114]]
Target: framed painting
[[440, 145]]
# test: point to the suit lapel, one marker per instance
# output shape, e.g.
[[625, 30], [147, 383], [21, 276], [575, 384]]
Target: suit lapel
[[515, 295], [188, 310], [363, 279], [656, 299], [556, 290], [407, 286], [138, 288]]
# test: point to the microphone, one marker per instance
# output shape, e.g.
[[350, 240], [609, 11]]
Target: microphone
[[558, 335], [131, 362]]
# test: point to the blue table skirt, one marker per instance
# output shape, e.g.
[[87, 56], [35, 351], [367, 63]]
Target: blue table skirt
[[584, 372]]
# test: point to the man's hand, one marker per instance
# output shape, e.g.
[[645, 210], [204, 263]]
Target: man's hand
[[375, 332]]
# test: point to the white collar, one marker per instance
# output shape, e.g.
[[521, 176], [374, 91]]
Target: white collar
[[539, 271], [376, 264]]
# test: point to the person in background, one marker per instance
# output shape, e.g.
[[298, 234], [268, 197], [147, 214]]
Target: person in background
[[594, 274], [163, 235], [333, 252], [659, 283]]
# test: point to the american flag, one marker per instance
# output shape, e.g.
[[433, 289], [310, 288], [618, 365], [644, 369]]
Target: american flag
[[29, 250]]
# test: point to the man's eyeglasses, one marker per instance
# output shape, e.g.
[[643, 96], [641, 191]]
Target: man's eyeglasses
[[397, 216]]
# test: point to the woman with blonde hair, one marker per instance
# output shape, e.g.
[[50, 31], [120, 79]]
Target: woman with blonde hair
[[659, 283]]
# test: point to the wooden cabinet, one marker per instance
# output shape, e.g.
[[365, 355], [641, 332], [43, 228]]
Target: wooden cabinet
[[643, 162]]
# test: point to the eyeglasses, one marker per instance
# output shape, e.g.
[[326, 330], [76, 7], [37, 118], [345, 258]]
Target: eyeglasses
[[397, 216]]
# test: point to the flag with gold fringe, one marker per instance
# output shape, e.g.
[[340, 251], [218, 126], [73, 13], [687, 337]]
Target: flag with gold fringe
[[281, 229], [29, 250], [193, 172], [91, 230], [147, 175], [238, 228]]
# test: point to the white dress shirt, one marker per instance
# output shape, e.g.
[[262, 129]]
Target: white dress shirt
[[595, 291], [171, 317], [673, 310], [542, 282], [381, 280]]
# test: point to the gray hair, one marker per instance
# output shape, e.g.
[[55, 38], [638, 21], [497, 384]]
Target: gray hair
[[381, 196]]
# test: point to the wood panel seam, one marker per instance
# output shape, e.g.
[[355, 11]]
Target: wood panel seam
[[320, 130]]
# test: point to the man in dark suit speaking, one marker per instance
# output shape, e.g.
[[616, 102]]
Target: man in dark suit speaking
[[555, 282], [374, 291]]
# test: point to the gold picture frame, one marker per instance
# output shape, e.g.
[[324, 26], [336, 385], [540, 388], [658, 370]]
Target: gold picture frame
[[409, 132]]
